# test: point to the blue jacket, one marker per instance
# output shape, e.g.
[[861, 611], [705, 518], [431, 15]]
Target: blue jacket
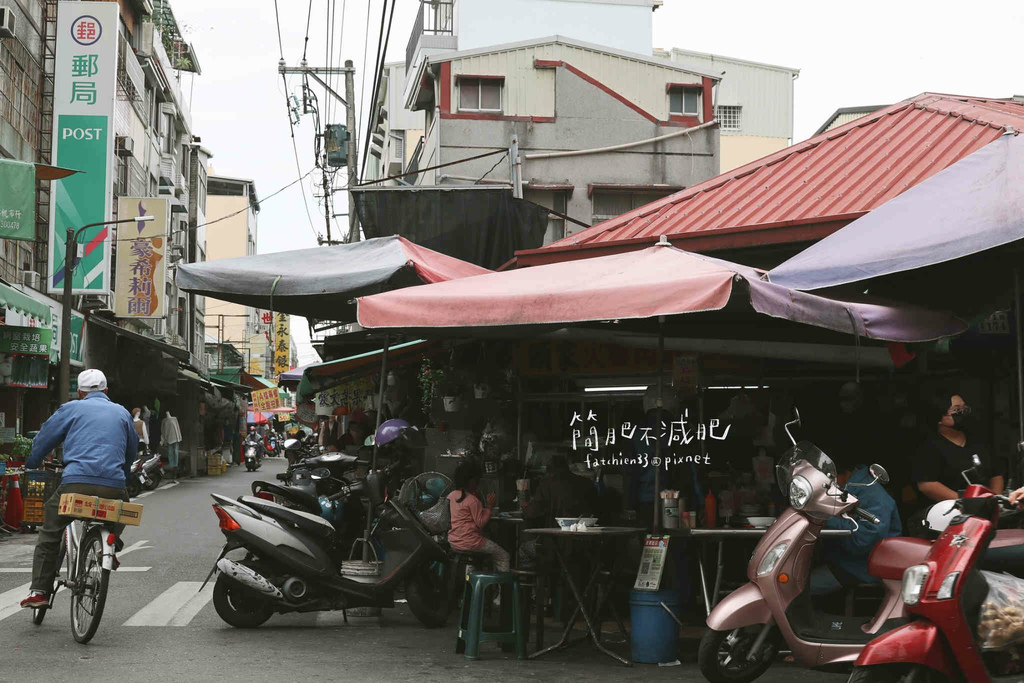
[[851, 553], [100, 443]]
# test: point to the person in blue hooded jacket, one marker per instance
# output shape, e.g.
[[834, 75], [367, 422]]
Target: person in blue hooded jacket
[[100, 445]]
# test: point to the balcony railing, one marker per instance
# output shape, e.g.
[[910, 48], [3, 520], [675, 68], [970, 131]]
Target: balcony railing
[[435, 18]]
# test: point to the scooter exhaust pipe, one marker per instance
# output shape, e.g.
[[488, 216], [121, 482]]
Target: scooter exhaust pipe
[[248, 577]]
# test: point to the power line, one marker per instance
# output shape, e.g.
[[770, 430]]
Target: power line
[[362, 83], [305, 44], [500, 159], [280, 45], [431, 168], [382, 49]]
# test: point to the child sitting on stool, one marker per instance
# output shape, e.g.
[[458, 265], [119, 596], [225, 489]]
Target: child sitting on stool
[[469, 516]]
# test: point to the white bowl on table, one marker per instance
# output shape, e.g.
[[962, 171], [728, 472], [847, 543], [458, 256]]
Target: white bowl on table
[[564, 523], [760, 522]]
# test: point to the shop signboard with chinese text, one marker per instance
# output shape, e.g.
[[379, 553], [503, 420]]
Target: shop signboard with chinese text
[[282, 343], [18, 200], [85, 75], [142, 259], [77, 326], [29, 356], [266, 399], [33, 341]]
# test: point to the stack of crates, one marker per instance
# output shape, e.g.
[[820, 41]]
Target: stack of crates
[[214, 464], [39, 486]]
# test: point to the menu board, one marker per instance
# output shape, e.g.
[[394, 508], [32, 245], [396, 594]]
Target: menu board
[[652, 563]]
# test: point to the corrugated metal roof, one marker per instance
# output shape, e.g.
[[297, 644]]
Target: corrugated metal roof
[[823, 182]]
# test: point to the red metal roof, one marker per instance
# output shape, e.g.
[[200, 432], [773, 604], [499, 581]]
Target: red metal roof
[[810, 189]]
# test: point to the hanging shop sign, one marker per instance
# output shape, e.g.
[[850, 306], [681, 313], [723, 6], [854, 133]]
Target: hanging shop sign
[[266, 399], [142, 259], [85, 75], [16, 317], [352, 395], [31, 341], [282, 343], [18, 200]]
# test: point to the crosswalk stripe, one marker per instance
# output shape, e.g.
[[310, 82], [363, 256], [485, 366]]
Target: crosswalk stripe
[[28, 570], [9, 600], [176, 606]]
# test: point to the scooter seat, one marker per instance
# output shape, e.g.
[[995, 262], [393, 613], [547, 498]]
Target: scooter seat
[[295, 496], [1007, 537], [311, 524], [892, 556]]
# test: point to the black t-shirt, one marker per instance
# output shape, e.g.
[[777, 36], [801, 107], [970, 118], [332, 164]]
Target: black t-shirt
[[939, 459]]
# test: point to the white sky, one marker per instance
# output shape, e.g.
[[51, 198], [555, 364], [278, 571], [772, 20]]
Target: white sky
[[848, 53]]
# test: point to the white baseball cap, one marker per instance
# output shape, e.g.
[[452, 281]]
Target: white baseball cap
[[91, 380]]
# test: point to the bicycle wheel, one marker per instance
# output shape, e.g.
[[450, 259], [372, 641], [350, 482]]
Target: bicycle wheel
[[89, 587]]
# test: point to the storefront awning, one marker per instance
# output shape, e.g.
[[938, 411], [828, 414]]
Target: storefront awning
[[173, 351], [24, 304], [320, 283], [226, 384], [291, 378], [658, 281], [973, 205], [322, 376]]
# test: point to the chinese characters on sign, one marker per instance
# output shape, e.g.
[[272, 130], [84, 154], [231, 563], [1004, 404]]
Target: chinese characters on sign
[[33, 341], [141, 263], [652, 563], [85, 75], [18, 200], [266, 399], [282, 343], [676, 436]]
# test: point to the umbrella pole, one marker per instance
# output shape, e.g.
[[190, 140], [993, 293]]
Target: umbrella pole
[[376, 446], [657, 443], [1020, 363]]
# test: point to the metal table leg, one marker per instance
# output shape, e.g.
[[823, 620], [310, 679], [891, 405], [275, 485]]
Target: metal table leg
[[704, 579], [719, 572], [580, 609]]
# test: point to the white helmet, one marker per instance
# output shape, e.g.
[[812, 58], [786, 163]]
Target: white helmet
[[940, 515]]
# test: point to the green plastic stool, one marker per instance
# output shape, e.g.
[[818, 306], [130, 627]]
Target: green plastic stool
[[471, 632]]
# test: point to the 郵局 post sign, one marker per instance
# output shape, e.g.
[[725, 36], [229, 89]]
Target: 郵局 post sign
[[141, 258], [266, 399], [85, 74]]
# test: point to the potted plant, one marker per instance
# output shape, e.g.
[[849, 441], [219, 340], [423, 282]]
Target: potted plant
[[429, 379], [451, 391]]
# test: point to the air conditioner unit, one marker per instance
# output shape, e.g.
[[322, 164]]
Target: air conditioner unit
[[125, 146], [6, 22], [32, 279]]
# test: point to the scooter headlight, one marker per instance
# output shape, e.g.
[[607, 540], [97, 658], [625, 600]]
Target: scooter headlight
[[948, 586], [914, 579], [771, 559], [799, 492]]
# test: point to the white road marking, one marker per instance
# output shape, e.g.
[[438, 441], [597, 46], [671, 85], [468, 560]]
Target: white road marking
[[176, 606], [28, 570], [138, 545], [144, 494], [9, 600], [168, 486]]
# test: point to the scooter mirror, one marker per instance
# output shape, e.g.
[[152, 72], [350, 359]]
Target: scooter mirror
[[879, 473], [292, 444], [320, 473], [369, 441]]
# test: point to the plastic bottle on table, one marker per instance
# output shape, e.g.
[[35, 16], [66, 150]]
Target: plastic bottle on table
[[710, 511]]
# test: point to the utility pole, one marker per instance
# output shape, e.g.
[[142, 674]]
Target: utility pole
[[517, 168], [349, 72], [353, 151]]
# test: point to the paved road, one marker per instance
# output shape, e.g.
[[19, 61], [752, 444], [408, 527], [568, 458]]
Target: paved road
[[158, 626]]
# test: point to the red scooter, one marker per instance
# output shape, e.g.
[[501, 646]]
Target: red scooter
[[943, 595]]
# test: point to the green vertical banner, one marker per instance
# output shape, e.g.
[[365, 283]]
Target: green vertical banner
[[17, 200], [84, 92]]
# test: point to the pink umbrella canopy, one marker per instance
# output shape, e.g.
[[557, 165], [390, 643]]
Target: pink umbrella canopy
[[660, 280]]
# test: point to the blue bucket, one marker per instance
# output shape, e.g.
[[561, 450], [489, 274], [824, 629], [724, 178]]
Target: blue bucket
[[655, 633]]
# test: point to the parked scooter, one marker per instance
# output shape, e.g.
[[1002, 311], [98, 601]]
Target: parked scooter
[[745, 628], [289, 563], [146, 474], [943, 593]]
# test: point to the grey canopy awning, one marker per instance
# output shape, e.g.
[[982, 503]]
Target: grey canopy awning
[[319, 283], [972, 206]]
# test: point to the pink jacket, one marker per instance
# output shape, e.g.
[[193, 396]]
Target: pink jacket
[[468, 518]]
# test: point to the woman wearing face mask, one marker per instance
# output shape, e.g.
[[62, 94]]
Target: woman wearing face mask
[[948, 452]]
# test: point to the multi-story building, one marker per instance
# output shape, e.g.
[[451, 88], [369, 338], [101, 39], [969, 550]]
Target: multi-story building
[[753, 104], [234, 204]]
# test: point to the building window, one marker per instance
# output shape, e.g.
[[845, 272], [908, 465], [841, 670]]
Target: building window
[[684, 101], [728, 117], [608, 204], [480, 94]]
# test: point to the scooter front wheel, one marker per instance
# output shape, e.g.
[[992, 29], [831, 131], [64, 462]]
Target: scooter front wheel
[[723, 655]]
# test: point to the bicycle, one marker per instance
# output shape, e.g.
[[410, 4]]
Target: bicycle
[[88, 553]]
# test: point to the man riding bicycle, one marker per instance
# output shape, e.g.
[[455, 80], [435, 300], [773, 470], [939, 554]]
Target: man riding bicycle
[[100, 444]]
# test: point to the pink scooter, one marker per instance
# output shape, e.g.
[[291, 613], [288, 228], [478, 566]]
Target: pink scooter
[[744, 629]]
